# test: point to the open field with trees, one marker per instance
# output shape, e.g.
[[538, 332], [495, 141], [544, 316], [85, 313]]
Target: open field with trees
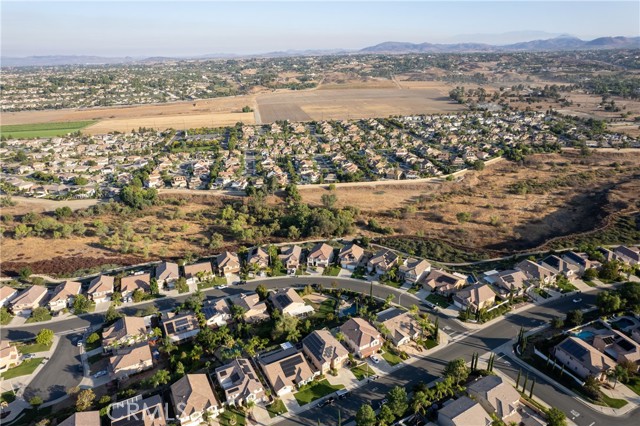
[[510, 207]]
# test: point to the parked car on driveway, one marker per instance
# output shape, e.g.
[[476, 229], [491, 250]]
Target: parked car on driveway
[[29, 356], [100, 374], [375, 359]]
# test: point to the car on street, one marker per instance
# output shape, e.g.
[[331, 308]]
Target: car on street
[[242, 282], [222, 286], [373, 377], [375, 359], [100, 374], [577, 300]]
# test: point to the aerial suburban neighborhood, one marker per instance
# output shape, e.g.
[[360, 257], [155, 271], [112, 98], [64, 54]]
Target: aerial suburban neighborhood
[[265, 214]]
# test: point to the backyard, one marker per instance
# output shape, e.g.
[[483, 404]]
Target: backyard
[[235, 413], [315, 390]]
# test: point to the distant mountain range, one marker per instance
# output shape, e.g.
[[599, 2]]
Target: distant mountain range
[[561, 43], [553, 44]]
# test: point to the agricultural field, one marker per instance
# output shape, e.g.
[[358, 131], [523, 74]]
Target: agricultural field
[[42, 130], [351, 103]]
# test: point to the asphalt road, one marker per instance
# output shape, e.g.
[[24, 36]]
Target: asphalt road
[[426, 369], [483, 341], [59, 373]]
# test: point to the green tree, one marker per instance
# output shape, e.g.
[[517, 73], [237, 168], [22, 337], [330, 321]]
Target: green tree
[[93, 337], [40, 314], [608, 302], [398, 401], [36, 402], [81, 304], [478, 165], [385, 416], [457, 370], [286, 327], [154, 287], [138, 295], [85, 399], [365, 416], [590, 274], [574, 317], [262, 291], [161, 377], [112, 314], [5, 316], [62, 212], [555, 417]]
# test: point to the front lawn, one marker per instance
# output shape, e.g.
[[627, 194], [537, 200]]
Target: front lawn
[[362, 371], [392, 359], [331, 271], [634, 384], [613, 402], [8, 397], [276, 408], [391, 283], [27, 367], [44, 317], [315, 390], [438, 299], [228, 414], [33, 348]]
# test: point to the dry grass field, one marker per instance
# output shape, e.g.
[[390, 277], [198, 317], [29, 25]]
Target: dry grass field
[[569, 194], [350, 103]]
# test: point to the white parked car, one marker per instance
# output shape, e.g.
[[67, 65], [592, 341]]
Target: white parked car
[[375, 359], [100, 373]]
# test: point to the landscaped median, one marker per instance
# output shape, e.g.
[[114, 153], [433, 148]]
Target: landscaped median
[[315, 390]]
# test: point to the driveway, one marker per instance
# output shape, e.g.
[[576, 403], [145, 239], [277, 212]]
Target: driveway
[[60, 373]]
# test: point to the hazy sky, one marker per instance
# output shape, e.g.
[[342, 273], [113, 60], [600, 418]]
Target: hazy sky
[[148, 28]]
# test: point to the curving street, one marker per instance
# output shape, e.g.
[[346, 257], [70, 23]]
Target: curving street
[[463, 344]]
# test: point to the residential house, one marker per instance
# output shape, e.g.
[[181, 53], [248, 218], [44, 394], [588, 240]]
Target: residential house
[[7, 294], [289, 302], [291, 257], [132, 283], [361, 337], [180, 327], [413, 270], [628, 255], [136, 411], [28, 300], [131, 360], [192, 396], [83, 418], [258, 258], [64, 295], [125, 331], [512, 281], [581, 359], [475, 297], [166, 274], [618, 346], [401, 325], [382, 261], [560, 266], [197, 272], [228, 263], [495, 396], [581, 260], [350, 256], [463, 412], [535, 273], [217, 312], [443, 282], [286, 369], [9, 355], [320, 255], [254, 309], [324, 351], [240, 382], [101, 288]]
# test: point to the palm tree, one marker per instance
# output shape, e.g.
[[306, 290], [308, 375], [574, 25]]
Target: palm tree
[[421, 401]]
